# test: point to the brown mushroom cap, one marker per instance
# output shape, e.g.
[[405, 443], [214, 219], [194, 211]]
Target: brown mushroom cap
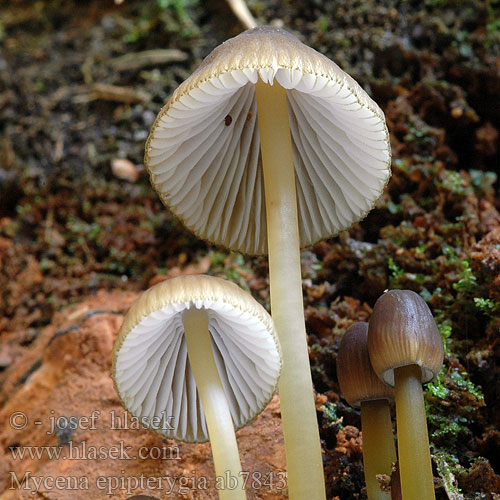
[[358, 382], [402, 332], [203, 152]]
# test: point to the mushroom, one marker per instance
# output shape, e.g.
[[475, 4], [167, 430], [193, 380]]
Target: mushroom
[[361, 387], [195, 358], [266, 148], [406, 351]]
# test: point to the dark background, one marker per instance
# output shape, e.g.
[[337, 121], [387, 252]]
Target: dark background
[[77, 93]]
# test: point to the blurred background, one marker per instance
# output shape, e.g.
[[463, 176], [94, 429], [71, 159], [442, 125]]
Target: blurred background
[[81, 83]]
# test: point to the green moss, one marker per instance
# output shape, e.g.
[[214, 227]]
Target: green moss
[[487, 306], [437, 387], [452, 398], [482, 180], [448, 468], [462, 381], [449, 429], [422, 248], [330, 412], [217, 259], [232, 266], [322, 23], [493, 23], [467, 282], [395, 272], [445, 329], [169, 16]]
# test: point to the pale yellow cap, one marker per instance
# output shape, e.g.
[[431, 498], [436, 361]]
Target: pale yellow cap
[[203, 152]]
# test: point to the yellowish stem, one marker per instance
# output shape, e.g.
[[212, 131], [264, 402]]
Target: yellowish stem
[[300, 426], [413, 441], [379, 451], [219, 422]]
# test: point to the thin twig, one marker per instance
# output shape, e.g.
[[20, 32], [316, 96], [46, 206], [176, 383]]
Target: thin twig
[[139, 60], [105, 92], [240, 10]]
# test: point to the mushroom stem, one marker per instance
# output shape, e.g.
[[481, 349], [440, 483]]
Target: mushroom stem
[[413, 441], [379, 452], [219, 421], [300, 425]]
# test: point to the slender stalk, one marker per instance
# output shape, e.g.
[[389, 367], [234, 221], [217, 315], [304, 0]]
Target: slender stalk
[[219, 422], [300, 426], [413, 441], [379, 451]]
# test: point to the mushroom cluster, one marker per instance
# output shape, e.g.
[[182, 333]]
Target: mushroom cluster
[[401, 348], [196, 357], [266, 148]]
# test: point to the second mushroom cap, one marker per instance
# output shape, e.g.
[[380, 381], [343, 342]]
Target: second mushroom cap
[[151, 368], [358, 382]]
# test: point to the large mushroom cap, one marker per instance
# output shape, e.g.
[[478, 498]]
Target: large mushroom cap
[[403, 332], [203, 152], [151, 368]]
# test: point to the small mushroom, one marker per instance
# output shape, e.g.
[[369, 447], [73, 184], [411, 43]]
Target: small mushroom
[[361, 387], [268, 147], [196, 358], [406, 351]]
